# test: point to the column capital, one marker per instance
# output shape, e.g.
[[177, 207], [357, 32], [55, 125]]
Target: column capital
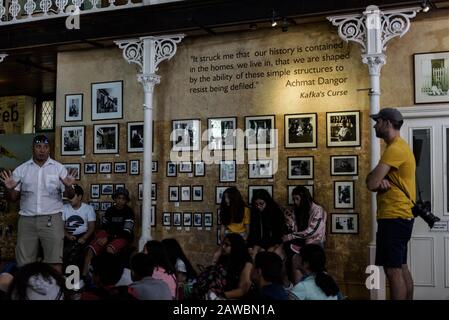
[[375, 62], [148, 81], [2, 57]]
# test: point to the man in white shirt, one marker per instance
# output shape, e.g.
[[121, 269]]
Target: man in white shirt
[[40, 184], [79, 221]]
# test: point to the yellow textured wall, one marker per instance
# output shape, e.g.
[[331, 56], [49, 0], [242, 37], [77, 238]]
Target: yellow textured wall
[[347, 254]]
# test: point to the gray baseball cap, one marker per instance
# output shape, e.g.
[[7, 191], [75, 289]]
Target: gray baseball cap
[[392, 114]]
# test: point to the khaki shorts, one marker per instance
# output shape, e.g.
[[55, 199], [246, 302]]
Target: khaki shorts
[[31, 230]]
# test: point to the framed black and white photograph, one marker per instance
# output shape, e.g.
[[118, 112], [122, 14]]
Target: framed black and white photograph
[[199, 169], [154, 166], [154, 191], [219, 194], [260, 132], [253, 189], [228, 170], [153, 216], [197, 193], [105, 167], [187, 219], [73, 141], [135, 137], [74, 107], [208, 220], [177, 219], [106, 138], [221, 133], [105, 205], [107, 189], [260, 169], [185, 166], [300, 130], [186, 135], [343, 129], [95, 205], [120, 167], [431, 77], [90, 168], [344, 194], [300, 168], [107, 100], [134, 167], [346, 223], [218, 216], [185, 193], [218, 236], [197, 219], [166, 219], [344, 165], [172, 170], [76, 167], [173, 193], [95, 191], [290, 190], [118, 186], [140, 191]]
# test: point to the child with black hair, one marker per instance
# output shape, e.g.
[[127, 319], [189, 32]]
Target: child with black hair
[[267, 274], [316, 283]]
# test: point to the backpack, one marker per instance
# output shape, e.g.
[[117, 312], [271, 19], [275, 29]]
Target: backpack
[[212, 278]]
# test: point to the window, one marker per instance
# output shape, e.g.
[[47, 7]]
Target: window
[[45, 116]]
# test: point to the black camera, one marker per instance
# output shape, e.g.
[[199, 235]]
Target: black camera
[[422, 210]]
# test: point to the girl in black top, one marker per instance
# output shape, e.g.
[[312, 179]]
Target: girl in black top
[[267, 223]]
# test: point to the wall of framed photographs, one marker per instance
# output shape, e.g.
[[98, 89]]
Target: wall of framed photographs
[[306, 83]]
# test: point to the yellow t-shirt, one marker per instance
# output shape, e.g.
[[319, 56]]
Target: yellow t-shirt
[[394, 203], [240, 227]]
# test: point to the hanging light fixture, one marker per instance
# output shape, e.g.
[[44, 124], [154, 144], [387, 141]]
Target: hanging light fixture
[[273, 19], [425, 5]]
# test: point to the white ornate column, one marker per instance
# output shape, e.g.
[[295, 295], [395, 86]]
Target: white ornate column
[[2, 57], [147, 53], [372, 30]]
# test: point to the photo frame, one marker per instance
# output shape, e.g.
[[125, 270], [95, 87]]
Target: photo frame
[[106, 138], [105, 167], [140, 191], [185, 193], [73, 107], [300, 130], [344, 195], [345, 223], [199, 169], [252, 189], [94, 191], [219, 193], [218, 236], [95, 205], [185, 167], [154, 191], [153, 216], [344, 165], [154, 166], [343, 129], [166, 219], [107, 100], [260, 169], [300, 168], [107, 189], [431, 77], [90, 168], [228, 171], [197, 219], [134, 167], [186, 135], [73, 141], [77, 167], [173, 194], [290, 189], [197, 193], [260, 132], [105, 205], [187, 219], [208, 219], [172, 169], [221, 133], [177, 222], [118, 186], [135, 137], [120, 167]]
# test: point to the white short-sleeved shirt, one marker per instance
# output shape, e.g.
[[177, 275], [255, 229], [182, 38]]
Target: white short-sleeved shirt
[[40, 187], [180, 266], [76, 221]]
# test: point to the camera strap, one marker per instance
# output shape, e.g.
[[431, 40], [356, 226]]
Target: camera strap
[[405, 192]]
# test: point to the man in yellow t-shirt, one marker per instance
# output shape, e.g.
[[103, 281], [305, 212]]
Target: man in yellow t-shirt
[[394, 181]]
